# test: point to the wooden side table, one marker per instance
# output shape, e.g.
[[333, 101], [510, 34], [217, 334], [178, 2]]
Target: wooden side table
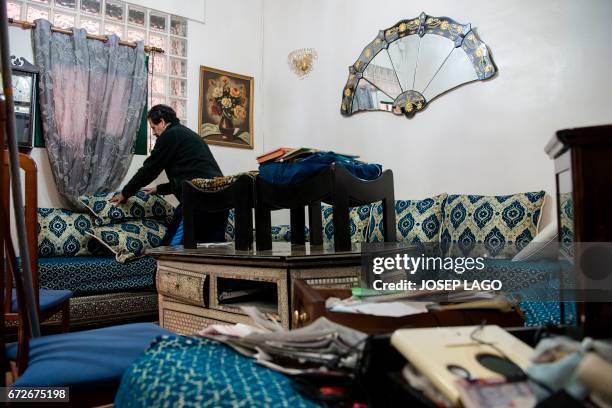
[[190, 282]]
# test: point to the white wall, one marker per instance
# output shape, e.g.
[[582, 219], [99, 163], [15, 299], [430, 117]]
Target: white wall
[[485, 138], [230, 40], [554, 62]]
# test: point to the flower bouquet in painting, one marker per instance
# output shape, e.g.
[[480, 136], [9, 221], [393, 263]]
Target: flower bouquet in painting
[[225, 115], [228, 103]]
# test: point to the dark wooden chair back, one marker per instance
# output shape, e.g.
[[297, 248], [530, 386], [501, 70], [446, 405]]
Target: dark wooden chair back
[[28, 165], [15, 318], [2, 243]]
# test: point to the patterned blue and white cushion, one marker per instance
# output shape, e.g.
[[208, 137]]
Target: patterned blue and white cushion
[[358, 217], [63, 233], [416, 220], [200, 372], [230, 227], [139, 206], [566, 216], [129, 240], [499, 226]]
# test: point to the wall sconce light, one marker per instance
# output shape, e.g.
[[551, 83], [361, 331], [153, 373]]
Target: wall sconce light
[[301, 61]]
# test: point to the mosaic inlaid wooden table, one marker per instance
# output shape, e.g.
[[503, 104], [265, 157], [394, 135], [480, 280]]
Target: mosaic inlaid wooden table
[[195, 286]]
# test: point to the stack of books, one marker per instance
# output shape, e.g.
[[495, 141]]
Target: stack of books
[[290, 154]]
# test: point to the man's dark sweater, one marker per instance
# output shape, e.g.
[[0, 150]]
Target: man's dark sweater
[[183, 154]]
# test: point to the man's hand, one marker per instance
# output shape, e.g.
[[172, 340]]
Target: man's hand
[[116, 200], [150, 190]]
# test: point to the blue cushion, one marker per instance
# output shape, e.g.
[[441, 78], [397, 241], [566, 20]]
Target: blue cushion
[[87, 360], [197, 372], [47, 298], [91, 275], [177, 239]]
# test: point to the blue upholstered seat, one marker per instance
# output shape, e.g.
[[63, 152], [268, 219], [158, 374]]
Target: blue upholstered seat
[[47, 298], [87, 360]]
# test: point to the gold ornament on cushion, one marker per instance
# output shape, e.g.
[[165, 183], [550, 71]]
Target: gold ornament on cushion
[[301, 61]]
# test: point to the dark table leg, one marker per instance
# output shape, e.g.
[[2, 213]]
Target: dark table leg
[[342, 227], [298, 225], [263, 228], [244, 230], [316, 223]]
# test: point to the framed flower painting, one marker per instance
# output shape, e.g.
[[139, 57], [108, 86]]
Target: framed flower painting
[[225, 114]]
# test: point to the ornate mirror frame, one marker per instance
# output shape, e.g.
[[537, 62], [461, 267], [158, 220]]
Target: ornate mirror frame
[[412, 63]]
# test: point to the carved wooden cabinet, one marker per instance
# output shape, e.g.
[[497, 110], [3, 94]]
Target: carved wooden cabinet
[[583, 167]]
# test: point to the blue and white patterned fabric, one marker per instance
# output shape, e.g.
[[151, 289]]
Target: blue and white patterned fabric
[[502, 225], [535, 284], [230, 226], [93, 275], [63, 233], [544, 313], [197, 372], [139, 206], [282, 233], [358, 218], [129, 240], [416, 220]]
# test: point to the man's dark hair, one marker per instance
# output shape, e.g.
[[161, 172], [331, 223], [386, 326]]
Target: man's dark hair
[[159, 112]]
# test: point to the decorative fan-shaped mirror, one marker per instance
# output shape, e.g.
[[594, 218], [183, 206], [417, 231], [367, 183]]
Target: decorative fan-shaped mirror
[[410, 64]]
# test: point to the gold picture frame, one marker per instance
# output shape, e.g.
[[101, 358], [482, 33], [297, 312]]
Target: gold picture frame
[[225, 111]]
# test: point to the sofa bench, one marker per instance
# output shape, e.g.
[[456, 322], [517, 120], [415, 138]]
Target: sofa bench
[[126, 291], [458, 224]]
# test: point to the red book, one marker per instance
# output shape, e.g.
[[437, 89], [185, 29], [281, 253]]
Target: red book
[[274, 154]]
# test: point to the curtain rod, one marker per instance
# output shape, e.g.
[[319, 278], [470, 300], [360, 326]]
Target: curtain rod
[[26, 25]]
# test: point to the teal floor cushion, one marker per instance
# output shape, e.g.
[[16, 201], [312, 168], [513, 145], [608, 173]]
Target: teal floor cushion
[[197, 372]]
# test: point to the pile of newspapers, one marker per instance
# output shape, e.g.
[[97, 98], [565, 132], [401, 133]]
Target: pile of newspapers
[[322, 346]]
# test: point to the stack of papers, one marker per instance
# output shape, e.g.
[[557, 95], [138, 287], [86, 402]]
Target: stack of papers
[[399, 304], [389, 309], [322, 346]]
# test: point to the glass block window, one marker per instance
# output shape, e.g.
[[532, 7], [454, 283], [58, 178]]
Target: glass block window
[[71, 4], [167, 72], [179, 106], [114, 10], [91, 25], [157, 40], [91, 6], [13, 9], [116, 29], [178, 67], [37, 12], [63, 20], [158, 64], [178, 26], [136, 16], [178, 88], [158, 21], [178, 47], [156, 100], [135, 34], [158, 85]]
